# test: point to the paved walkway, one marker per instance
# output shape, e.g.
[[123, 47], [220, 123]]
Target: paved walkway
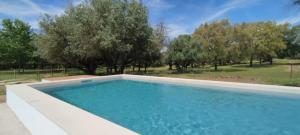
[[9, 123]]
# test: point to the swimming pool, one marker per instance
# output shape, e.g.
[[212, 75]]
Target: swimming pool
[[166, 109]]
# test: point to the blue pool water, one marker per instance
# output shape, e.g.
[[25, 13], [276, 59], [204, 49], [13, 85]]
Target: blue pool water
[[164, 109]]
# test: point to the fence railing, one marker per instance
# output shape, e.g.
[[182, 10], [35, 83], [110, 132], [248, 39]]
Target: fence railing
[[35, 74]]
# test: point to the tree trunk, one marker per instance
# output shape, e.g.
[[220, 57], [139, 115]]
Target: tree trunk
[[216, 63], [139, 67], [122, 69], [170, 66], [251, 61], [116, 69], [108, 70], [90, 69], [260, 61], [271, 61], [216, 66]]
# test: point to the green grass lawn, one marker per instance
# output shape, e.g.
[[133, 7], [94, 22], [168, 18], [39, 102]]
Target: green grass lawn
[[2, 97], [277, 74]]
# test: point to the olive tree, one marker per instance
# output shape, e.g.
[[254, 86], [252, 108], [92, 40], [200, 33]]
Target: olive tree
[[97, 32], [215, 39], [183, 52]]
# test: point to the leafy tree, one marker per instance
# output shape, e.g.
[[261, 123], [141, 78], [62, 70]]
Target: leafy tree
[[292, 38], [77, 37], [273, 40], [267, 40], [215, 39], [131, 33], [158, 41], [15, 48], [262, 40], [152, 52], [183, 51], [240, 38], [108, 32]]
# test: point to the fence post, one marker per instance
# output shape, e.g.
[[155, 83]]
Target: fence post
[[65, 71], [291, 72], [51, 70], [38, 77], [15, 74]]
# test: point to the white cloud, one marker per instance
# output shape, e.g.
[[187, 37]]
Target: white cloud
[[292, 20], [158, 4], [20, 8], [232, 4], [28, 10], [33, 6]]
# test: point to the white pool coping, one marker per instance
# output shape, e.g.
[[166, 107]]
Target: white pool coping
[[45, 115]]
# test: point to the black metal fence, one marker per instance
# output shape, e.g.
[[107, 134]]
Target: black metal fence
[[35, 74]]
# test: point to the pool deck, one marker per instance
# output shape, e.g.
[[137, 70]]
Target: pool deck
[[67, 78], [9, 123]]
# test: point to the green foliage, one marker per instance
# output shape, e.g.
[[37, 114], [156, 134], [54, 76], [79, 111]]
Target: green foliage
[[183, 51], [112, 33], [261, 40], [224, 43], [215, 38], [292, 39], [15, 44]]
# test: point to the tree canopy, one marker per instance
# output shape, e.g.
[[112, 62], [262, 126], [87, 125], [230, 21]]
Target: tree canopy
[[214, 38], [108, 32], [221, 42], [183, 51], [15, 43]]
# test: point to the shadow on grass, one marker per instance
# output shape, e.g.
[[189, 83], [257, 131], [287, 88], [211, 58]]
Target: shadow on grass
[[189, 71], [255, 66]]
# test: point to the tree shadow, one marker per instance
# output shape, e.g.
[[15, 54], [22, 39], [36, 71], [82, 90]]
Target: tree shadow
[[254, 66]]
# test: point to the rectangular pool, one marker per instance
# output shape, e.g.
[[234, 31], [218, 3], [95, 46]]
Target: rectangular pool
[[152, 108]]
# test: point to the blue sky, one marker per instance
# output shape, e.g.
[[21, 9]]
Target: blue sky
[[180, 16]]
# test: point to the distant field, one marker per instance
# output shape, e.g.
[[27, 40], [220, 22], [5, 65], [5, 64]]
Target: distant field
[[277, 74]]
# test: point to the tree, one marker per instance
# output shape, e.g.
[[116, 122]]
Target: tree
[[261, 40], [132, 34], [153, 52], [97, 32], [292, 39], [215, 38], [273, 40], [238, 48], [183, 51], [77, 37], [15, 48]]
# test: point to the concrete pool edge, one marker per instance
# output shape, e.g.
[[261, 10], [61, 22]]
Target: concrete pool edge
[[46, 115], [242, 87]]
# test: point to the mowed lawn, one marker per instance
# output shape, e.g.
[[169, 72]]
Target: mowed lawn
[[277, 74], [2, 97]]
